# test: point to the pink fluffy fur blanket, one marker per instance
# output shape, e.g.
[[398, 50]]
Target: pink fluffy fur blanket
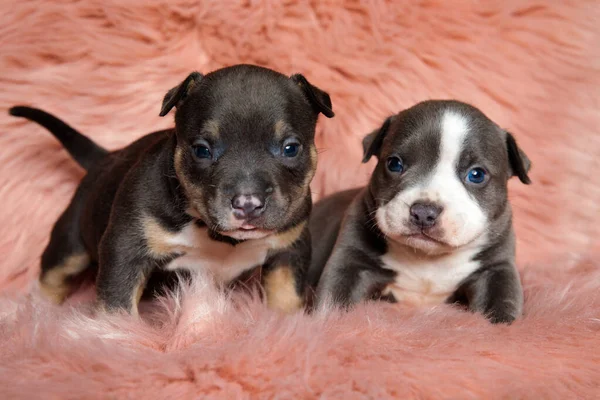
[[104, 66]]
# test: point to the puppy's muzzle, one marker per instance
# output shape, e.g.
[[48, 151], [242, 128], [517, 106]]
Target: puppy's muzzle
[[425, 214]]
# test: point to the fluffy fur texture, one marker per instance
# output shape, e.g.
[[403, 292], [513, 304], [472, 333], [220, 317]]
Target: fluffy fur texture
[[104, 66]]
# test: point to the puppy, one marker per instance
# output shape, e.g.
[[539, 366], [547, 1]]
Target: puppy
[[434, 223], [225, 191]]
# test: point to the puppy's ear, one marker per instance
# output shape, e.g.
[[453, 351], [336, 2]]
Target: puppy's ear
[[318, 98], [175, 96], [517, 159], [373, 141]]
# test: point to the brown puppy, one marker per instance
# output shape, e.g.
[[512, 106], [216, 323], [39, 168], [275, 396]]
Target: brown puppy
[[225, 191]]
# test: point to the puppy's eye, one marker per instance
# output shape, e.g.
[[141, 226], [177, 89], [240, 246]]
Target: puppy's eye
[[476, 175], [394, 164], [291, 149], [202, 151]]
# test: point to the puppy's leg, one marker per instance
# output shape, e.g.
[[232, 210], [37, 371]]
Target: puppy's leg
[[65, 257], [352, 276], [355, 284], [284, 288], [284, 275], [124, 268], [121, 283], [495, 292]]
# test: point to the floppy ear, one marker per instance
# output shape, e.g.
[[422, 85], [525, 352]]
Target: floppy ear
[[318, 98], [175, 96], [517, 159], [373, 141]]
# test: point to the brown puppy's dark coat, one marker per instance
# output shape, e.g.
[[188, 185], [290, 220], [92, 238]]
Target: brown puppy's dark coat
[[226, 191]]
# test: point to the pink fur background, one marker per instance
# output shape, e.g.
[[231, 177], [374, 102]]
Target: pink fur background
[[103, 66]]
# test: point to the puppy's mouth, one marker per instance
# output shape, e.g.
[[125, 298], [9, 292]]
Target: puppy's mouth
[[423, 236], [425, 242], [247, 231]]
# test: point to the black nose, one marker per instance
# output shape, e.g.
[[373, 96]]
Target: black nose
[[424, 214], [248, 205]]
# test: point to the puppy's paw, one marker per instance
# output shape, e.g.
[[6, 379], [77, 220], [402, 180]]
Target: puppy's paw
[[287, 306], [501, 316]]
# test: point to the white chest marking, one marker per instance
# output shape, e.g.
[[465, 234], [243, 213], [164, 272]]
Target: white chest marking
[[427, 280], [224, 261]]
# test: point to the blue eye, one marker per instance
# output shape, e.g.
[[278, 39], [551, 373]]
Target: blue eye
[[291, 149], [202, 151], [394, 164], [476, 175]]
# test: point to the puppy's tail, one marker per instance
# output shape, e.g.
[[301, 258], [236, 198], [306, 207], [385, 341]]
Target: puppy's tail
[[81, 148]]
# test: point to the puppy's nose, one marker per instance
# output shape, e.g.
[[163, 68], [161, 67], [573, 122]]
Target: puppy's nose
[[425, 214], [248, 205]]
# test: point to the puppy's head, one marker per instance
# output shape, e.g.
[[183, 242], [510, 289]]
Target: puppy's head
[[441, 177], [245, 152]]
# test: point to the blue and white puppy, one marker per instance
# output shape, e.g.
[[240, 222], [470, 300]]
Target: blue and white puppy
[[434, 224]]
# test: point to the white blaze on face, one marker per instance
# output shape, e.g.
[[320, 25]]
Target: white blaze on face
[[462, 220]]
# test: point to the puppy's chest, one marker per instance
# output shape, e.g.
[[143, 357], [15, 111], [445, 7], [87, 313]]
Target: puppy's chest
[[427, 281], [195, 251]]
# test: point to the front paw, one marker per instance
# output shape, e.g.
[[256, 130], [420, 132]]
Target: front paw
[[501, 319], [502, 315]]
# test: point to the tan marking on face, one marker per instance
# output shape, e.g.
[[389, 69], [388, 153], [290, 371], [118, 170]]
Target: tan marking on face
[[313, 169], [54, 282], [211, 128], [285, 239], [313, 164], [280, 128], [280, 289], [193, 192], [304, 189]]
